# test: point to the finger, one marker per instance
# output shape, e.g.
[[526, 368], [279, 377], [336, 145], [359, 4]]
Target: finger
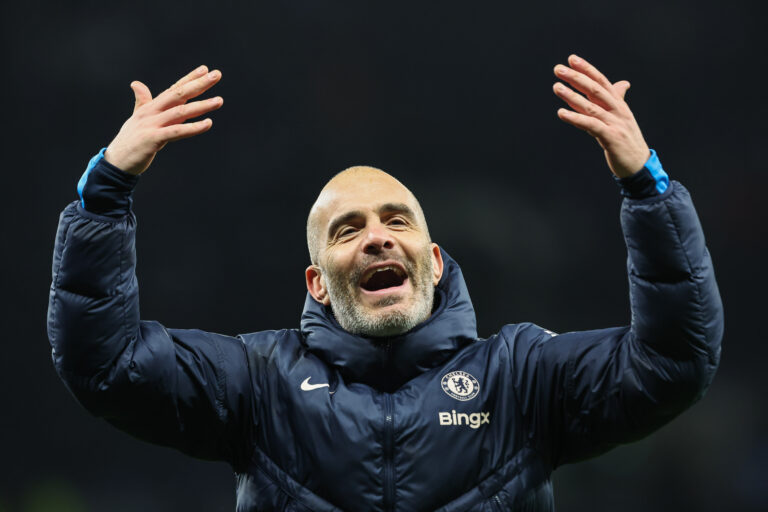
[[588, 69], [181, 113], [141, 93], [184, 130], [179, 94], [579, 103], [621, 88], [196, 73], [593, 126], [581, 82]]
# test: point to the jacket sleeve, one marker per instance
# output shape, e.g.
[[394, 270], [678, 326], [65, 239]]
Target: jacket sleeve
[[582, 393], [186, 389]]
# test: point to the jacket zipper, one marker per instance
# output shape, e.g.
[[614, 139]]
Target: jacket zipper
[[497, 501], [389, 463]]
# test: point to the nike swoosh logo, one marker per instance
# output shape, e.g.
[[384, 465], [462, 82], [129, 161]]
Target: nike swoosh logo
[[306, 386]]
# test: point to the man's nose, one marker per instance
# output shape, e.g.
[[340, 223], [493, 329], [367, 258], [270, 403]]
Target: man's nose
[[377, 239]]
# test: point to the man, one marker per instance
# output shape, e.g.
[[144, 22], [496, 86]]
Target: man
[[385, 398]]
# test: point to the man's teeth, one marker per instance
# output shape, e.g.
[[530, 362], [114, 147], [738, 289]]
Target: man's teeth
[[397, 270], [383, 269]]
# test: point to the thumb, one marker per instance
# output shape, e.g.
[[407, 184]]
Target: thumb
[[621, 88], [142, 94]]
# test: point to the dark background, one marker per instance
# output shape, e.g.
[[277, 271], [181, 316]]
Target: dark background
[[455, 99]]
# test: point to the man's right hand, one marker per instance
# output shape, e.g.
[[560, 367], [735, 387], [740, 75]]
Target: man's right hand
[[156, 122]]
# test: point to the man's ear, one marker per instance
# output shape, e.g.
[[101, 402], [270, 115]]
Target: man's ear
[[437, 264], [316, 285]]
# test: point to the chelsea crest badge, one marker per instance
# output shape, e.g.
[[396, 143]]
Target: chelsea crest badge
[[460, 385]]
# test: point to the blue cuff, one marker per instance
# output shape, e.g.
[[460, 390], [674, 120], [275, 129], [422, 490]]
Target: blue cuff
[[84, 178], [654, 166], [651, 180], [104, 189]]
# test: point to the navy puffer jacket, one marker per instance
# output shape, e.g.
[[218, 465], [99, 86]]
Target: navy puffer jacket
[[437, 419]]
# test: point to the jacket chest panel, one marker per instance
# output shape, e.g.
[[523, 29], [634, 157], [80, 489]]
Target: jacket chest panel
[[455, 426], [326, 434], [446, 430]]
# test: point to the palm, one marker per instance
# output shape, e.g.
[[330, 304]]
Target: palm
[[602, 112], [160, 120]]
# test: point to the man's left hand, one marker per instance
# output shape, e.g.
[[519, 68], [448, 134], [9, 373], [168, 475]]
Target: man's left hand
[[603, 113]]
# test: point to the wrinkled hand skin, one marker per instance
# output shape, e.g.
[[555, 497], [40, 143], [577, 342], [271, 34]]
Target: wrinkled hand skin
[[602, 112], [156, 122]]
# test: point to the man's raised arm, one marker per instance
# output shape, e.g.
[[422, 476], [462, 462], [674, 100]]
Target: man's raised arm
[[584, 392], [186, 389]]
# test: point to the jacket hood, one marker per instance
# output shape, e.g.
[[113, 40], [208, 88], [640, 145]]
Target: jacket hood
[[388, 363]]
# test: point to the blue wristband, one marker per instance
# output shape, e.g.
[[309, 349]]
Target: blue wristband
[[84, 178], [654, 166]]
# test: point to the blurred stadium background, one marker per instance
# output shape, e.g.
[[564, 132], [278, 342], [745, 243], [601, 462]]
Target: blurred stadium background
[[455, 99]]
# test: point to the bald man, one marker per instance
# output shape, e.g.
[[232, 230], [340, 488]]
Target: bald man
[[385, 398], [370, 251]]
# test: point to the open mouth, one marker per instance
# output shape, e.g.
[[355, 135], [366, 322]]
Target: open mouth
[[383, 277]]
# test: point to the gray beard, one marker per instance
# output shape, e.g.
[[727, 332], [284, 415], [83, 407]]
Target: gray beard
[[355, 319]]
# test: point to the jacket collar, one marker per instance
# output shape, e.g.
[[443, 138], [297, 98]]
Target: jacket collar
[[386, 364]]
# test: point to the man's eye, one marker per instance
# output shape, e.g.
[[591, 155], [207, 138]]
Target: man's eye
[[346, 231], [397, 221]]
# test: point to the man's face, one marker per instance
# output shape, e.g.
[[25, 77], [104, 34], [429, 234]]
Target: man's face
[[377, 267]]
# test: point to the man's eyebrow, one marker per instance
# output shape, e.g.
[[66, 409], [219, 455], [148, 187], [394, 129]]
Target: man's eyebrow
[[397, 208], [356, 214], [343, 219]]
